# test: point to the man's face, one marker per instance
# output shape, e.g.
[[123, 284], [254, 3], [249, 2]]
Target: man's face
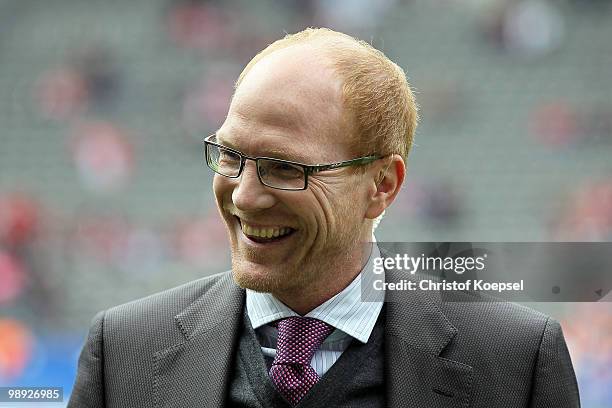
[[289, 106]]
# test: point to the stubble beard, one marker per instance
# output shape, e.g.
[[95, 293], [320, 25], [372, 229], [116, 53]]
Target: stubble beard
[[293, 278]]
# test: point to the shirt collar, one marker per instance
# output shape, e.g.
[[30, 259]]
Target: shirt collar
[[344, 311]]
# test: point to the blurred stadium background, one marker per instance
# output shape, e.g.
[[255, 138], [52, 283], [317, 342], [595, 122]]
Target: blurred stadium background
[[104, 196]]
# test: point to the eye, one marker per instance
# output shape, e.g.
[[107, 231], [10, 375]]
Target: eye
[[284, 170], [227, 157]]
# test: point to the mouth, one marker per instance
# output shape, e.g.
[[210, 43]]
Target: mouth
[[265, 234]]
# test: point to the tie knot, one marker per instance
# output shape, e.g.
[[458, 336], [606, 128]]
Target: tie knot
[[298, 338]]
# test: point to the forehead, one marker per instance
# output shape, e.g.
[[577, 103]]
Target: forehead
[[290, 101]]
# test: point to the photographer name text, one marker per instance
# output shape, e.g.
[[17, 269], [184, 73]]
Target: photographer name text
[[444, 285]]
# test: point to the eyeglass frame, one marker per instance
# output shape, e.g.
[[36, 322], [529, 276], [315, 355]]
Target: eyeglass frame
[[308, 168]]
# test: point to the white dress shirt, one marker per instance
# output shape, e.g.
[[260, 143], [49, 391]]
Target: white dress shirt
[[351, 317]]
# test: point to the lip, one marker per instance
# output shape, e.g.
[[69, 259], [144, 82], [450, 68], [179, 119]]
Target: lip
[[262, 245], [256, 225]]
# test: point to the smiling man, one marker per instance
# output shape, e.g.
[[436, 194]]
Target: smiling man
[[310, 155], [290, 224]]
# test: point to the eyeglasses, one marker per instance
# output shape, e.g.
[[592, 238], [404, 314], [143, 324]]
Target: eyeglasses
[[276, 173]]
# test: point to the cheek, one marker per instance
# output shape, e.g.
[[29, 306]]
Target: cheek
[[221, 189], [345, 207], [327, 200], [217, 184]]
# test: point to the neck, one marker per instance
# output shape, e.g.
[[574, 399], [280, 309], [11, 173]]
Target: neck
[[305, 298]]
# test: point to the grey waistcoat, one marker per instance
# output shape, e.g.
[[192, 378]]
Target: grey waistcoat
[[355, 380]]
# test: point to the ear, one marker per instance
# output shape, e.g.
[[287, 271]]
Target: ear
[[389, 177]]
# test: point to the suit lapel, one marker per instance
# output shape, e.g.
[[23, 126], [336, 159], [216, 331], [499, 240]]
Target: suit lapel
[[416, 333], [195, 372]]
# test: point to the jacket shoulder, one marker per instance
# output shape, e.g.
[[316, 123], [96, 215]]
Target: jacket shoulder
[[479, 311], [514, 350], [176, 298], [487, 320], [500, 338], [152, 317]]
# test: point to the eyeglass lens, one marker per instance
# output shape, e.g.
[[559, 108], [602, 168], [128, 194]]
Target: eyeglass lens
[[273, 173]]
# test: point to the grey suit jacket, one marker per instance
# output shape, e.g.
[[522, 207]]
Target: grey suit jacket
[[175, 349]]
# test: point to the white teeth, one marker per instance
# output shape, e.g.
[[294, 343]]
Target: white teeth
[[271, 232]]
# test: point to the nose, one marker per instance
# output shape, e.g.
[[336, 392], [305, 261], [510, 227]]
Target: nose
[[249, 194]]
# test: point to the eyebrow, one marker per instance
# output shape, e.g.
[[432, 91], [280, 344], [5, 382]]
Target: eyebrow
[[286, 155], [274, 153]]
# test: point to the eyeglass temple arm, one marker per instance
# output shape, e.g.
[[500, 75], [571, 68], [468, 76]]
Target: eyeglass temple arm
[[354, 162]]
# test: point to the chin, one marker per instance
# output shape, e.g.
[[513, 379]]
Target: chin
[[260, 278]]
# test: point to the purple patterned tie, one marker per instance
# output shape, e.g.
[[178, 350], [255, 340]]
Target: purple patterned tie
[[291, 372]]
